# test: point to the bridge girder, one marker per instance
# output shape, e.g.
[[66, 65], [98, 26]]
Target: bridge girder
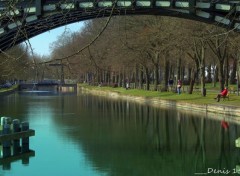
[[23, 19]]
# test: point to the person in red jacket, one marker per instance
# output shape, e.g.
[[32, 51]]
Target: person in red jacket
[[222, 94]]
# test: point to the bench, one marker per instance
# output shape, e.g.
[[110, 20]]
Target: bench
[[196, 89], [232, 90], [225, 97]]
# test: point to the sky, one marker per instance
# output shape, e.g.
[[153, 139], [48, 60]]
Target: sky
[[41, 42]]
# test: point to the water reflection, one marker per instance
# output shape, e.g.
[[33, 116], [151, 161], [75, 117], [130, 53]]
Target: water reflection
[[8, 156], [95, 136], [167, 141], [14, 142]]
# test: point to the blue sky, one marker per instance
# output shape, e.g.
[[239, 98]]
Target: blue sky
[[40, 43]]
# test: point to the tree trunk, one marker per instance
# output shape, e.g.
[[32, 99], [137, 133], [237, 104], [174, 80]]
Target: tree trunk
[[209, 73], [226, 72], [147, 78], [215, 76], [221, 75], [141, 78], [178, 69], [200, 60], [182, 73], [104, 76], [234, 72], [202, 70], [166, 74], [194, 72], [202, 78], [189, 75], [171, 72], [219, 48], [155, 76], [136, 76]]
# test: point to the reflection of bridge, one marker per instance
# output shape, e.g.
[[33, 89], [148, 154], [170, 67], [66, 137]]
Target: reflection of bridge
[[21, 20], [51, 86]]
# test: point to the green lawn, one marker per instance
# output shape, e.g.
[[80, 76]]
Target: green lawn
[[195, 98], [8, 89]]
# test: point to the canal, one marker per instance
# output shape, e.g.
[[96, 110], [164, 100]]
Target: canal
[[85, 135]]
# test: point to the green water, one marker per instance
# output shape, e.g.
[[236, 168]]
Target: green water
[[92, 136]]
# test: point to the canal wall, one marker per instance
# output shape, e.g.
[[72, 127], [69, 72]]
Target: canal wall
[[210, 109]]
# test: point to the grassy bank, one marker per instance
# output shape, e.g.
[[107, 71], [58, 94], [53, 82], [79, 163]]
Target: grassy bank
[[5, 90], [195, 98]]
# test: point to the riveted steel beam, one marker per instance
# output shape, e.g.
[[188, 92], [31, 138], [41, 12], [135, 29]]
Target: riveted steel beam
[[38, 16], [39, 7]]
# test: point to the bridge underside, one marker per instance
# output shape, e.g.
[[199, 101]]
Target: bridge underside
[[28, 18]]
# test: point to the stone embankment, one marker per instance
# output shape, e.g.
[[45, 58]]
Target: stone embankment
[[221, 110]]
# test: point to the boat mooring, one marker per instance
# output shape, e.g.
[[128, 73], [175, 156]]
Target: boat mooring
[[14, 142]]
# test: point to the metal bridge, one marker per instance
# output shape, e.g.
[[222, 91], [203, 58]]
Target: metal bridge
[[23, 19], [47, 87]]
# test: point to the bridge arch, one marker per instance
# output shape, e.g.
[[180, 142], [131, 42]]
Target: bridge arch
[[27, 18]]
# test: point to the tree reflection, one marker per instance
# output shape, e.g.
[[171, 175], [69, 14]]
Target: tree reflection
[[151, 137], [125, 138]]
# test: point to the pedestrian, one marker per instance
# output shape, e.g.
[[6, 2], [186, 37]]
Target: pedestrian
[[222, 94], [127, 84], [179, 86]]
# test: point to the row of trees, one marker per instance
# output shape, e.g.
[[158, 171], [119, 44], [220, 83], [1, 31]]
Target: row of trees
[[15, 64], [152, 50], [143, 50]]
